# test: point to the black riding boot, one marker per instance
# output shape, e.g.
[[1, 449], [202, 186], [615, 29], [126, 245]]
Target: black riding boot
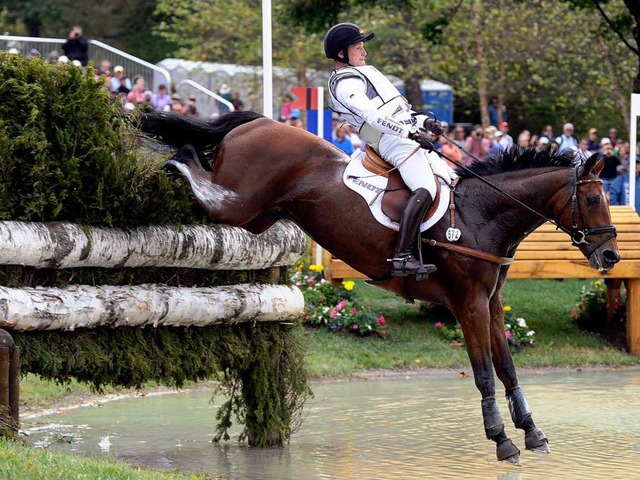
[[403, 261]]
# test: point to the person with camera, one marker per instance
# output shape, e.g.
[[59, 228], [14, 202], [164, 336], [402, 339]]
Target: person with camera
[[77, 46], [477, 144], [384, 119]]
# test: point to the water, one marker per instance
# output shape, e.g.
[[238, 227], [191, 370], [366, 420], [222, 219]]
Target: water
[[376, 429]]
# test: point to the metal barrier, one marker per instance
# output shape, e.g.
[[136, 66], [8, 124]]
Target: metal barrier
[[98, 51], [207, 102]]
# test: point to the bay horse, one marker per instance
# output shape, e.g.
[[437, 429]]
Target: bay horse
[[262, 171]]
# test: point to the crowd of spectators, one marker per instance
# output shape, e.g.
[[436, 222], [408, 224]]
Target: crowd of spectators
[[482, 142]]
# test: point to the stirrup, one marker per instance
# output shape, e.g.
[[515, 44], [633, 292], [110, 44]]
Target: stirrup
[[408, 265]]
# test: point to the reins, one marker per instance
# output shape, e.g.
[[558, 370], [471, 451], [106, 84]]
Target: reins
[[578, 237]]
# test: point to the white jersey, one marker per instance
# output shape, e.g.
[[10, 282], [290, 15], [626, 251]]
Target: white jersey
[[370, 102], [383, 117]]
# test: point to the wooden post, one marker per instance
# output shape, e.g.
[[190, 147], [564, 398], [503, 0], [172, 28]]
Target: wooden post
[[9, 385], [633, 316]]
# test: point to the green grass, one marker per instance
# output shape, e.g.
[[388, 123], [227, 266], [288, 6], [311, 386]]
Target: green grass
[[413, 340], [18, 462]]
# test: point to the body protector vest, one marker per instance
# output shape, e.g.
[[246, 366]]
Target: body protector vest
[[395, 114]]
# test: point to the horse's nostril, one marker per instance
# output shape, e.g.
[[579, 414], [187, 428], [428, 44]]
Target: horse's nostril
[[611, 256]]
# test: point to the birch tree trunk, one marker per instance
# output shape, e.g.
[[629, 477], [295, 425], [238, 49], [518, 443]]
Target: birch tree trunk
[[83, 306], [213, 247]]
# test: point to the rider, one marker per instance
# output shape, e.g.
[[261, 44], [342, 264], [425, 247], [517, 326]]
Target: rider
[[370, 102]]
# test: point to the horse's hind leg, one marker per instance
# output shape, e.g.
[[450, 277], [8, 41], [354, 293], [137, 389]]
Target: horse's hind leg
[[220, 203], [474, 320], [534, 438]]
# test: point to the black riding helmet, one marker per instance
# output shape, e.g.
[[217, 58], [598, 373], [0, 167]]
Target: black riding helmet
[[340, 36]]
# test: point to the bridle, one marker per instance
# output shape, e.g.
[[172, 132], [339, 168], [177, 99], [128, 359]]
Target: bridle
[[578, 236]]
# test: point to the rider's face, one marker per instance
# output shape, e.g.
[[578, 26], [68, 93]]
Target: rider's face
[[357, 54]]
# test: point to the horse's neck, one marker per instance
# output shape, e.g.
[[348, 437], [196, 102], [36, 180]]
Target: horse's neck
[[509, 222]]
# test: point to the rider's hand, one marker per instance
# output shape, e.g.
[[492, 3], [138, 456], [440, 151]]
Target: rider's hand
[[434, 126], [425, 139], [442, 169]]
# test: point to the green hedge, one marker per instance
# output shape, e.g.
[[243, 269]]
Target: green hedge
[[68, 154]]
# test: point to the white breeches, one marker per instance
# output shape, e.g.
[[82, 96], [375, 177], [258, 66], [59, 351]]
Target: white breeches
[[416, 171]]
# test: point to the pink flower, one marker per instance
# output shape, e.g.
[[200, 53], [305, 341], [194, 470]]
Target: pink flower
[[354, 311], [341, 304], [381, 320], [507, 334], [307, 317], [333, 314], [383, 332], [574, 312], [438, 324], [298, 284], [355, 326], [456, 345]]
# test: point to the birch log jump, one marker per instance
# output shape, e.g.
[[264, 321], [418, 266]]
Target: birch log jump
[[83, 306], [211, 247]]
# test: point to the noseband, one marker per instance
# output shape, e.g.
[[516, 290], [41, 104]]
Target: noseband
[[579, 236]]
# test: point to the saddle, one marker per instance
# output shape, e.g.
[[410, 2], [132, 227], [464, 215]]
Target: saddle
[[396, 195]]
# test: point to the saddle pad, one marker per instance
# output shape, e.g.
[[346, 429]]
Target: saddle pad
[[369, 186]]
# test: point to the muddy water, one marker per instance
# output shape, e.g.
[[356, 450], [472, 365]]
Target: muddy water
[[376, 429]]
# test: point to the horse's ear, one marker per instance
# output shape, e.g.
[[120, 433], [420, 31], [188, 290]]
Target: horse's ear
[[592, 164]]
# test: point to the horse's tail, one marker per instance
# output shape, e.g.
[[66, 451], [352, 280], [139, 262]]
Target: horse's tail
[[176, 130]]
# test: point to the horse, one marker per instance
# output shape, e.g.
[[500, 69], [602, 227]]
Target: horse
[[261, 171]]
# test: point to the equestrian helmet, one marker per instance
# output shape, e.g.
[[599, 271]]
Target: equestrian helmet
[[340, 36]]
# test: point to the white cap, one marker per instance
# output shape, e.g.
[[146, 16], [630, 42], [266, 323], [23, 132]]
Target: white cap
[[605, 141], [63, 59]]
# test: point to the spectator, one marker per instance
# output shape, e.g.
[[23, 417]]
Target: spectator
[[623, 156], [191, 110], [477, 144], [493, 135], [583, 149], [592, 141], [451, 151], [497, 113], [104, 68], [620, 189], [566, 141], [547, 132], [119, 82], [524, 139], [505, 140], [34, 53], [459, 138], [286, 106], [610, 170], [614, 138], [176, 104], [53, 57], [136, 95], [224, 92], [543, 143], [161, 100], [238, 104], [77, 46], [343, 140], [295, 118]]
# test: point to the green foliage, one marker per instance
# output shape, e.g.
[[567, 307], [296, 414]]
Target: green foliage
[[335, 307], [66, 153]]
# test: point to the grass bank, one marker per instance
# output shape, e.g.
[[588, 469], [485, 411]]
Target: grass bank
[[414, 341]]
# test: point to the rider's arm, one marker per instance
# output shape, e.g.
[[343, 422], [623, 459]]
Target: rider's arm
[[351, 92]]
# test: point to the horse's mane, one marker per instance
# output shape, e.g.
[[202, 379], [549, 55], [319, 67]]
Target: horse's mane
[[518, 158]]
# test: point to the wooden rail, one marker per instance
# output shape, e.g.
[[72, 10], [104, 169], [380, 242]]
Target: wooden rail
[[548, 253]]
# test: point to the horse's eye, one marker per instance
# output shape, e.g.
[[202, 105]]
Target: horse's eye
[[593, 201]]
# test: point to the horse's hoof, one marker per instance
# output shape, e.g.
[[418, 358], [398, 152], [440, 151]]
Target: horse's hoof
[[508, 452], [513, 460], [536, 441]]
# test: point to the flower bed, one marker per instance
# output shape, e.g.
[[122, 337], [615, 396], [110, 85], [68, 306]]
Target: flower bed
[[335, 307]]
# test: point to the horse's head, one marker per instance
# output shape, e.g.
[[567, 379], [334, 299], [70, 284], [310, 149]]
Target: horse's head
[[586, 218]]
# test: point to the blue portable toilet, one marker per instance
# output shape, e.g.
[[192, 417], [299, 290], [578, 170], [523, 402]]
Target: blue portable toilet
[[438, 98]]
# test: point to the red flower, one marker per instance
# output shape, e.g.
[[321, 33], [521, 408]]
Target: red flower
[[355, 326], [456, 345], [381, 320]]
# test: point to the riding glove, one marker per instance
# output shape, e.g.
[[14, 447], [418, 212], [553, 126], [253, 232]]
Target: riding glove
[[434, 126], [425, 139]]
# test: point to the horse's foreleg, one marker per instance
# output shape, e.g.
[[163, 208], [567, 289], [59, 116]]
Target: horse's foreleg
[[534, 438], [475, 326]]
